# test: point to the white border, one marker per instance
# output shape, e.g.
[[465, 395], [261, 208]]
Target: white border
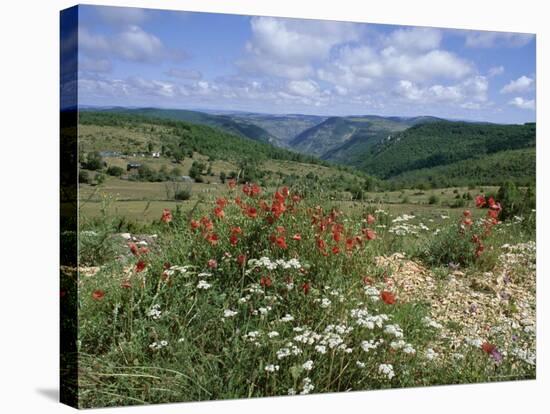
[[29, 220]]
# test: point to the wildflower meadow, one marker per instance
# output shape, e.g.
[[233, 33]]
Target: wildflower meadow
[[271, 293]]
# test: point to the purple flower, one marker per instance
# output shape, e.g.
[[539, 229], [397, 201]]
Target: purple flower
[[496, 355]]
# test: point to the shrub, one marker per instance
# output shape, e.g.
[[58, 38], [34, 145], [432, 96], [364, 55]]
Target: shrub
[[448, 246], [94, 161], [433, 199], [83, 177], [182, 195], [115, 171], [515, 202]]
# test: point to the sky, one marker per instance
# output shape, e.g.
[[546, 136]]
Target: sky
[[173, 59]]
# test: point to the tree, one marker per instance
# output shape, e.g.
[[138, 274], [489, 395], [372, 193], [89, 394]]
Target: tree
[[94, 161], [115, 171]]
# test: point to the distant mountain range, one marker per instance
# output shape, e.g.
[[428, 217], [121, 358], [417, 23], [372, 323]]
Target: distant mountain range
[[385, 147]]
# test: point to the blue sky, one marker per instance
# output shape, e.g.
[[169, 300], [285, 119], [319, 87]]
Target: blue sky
[[173, 59]]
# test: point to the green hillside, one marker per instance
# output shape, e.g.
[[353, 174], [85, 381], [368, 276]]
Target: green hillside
[[284, 127], [235, 126], [329, 139], [518, 166], [442, 143], [173, 136]]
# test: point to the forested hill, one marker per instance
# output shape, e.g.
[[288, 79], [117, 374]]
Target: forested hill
[[441, 143], [239, 127], [179, 136]]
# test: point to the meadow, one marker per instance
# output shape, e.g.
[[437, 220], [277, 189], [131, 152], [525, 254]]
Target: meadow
[[254, 292], [215, 272]]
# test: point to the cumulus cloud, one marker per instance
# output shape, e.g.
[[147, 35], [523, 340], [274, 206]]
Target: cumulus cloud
[[497, 39], [289, 47], [495, 71], [416, 38], [132, 44], [519, 85], [522, 103], [468, 93]]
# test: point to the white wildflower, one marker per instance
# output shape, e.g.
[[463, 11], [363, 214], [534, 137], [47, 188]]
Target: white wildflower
[[387, 370], [271, 368], [308, 365]]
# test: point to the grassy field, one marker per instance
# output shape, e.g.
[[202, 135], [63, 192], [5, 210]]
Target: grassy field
[[302, 283], [299, 298]]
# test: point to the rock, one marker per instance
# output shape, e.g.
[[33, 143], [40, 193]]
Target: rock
[[126, 236]]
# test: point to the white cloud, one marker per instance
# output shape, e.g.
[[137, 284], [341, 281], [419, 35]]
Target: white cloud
[[468, 93], [133, 44], [289, 47], [184, 73], [434, 64], [121, 15], [497, 39], [519, 85], [495, 71], [416, 38], [522, 103], [307, 88]]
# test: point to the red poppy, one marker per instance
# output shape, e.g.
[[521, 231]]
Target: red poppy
[[241, 260], [367, 280], [369, 234], [98, 294], [493, 213], [370, 219], [207, 223], [195, 224], [306, 287], [387, 297], [337, 236], [297, 237], [350, 243], [488, 347], [467, 213], [335, 250], [212, 263], [140, 266], [251, 212], [221, 202], [285, 191], [467, 222], [480, 201], [280, 229], [236, 230], [166, 216], [256, 190], [475, 239], [212, 238], [281, 242], [232, 183], [133, 248], [143, 250], [321, 244], [233, 240], [219, 213], [479, 249], [265, 281], [296, 198]]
